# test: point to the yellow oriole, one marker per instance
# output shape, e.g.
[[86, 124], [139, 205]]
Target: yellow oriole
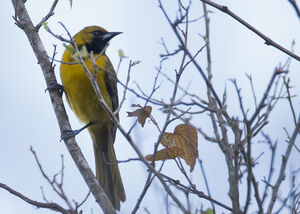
[[84, 102]]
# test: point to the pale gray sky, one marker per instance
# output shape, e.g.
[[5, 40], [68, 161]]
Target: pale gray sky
[[27, 116]]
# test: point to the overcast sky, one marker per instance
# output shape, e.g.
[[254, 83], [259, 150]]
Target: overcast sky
[[27, 117]]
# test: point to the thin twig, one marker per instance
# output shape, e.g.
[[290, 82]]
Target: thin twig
[[52, 206], [271, 171], [58, 188], [238, 91], [289, 97], [252, 89], [262, 104], [285, 158], [268, 41], [295, 6], [143, 193], [181, 186], [126, 86], [187, 52], [206, 183], [50, 13]]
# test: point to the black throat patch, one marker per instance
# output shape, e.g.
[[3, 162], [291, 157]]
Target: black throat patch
[[98, 43]]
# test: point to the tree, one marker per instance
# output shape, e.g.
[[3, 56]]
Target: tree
[[235, 132]]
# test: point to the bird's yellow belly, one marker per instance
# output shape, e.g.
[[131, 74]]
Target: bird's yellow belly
[[81, 96]]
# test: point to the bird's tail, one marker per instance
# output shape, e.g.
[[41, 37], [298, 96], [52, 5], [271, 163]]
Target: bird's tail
[[107, 170]]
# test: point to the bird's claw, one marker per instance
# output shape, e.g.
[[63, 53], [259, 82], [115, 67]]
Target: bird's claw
[[72, 133], [55, 86]]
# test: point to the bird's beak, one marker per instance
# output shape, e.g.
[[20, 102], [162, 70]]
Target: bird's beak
[[108, 36]]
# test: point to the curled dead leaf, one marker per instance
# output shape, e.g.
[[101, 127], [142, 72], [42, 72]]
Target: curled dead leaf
[[142, 113]]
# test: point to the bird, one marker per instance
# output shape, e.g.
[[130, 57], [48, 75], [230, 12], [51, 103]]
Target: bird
[[84, 103]]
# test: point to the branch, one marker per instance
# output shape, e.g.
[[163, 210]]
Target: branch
[[238, 91], [181, 186], [262, 104], [24, 22], [143, 193], [268, 41], [52, 206], [271, 169], [187, 52], [57, 187], [206, 183], [295, 6], [126, 85], [289, 97], [50, 13], [285, 158]]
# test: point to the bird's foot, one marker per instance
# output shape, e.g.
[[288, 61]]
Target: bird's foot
[[72, 133], [56, 86]]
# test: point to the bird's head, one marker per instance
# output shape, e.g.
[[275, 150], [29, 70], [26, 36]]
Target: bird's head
[[95, 38]]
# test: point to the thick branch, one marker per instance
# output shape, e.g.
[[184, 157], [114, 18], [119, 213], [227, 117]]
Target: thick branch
[[23, 20]]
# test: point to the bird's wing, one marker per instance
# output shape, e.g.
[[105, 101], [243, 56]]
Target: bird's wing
[[110, 78]]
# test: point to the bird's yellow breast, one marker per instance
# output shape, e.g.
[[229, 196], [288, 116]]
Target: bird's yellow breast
[[80, 93]]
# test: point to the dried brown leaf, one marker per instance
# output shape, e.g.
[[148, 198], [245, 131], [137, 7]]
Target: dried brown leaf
[[186, 139], [142, 114], [182, 143], [167, 153]]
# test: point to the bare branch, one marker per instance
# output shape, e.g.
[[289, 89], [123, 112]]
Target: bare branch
[[200, 194], [143, 193], [289, 97], [126, 86], [55, 186], [52, 206], [262, 104], [183, 46], [23, 20], [206, 182], [295, 6], [268, 41], [285, 158], [271, 168], [50, 13]]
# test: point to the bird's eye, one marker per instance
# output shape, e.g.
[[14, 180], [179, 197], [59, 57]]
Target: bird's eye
[[96, 33]]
